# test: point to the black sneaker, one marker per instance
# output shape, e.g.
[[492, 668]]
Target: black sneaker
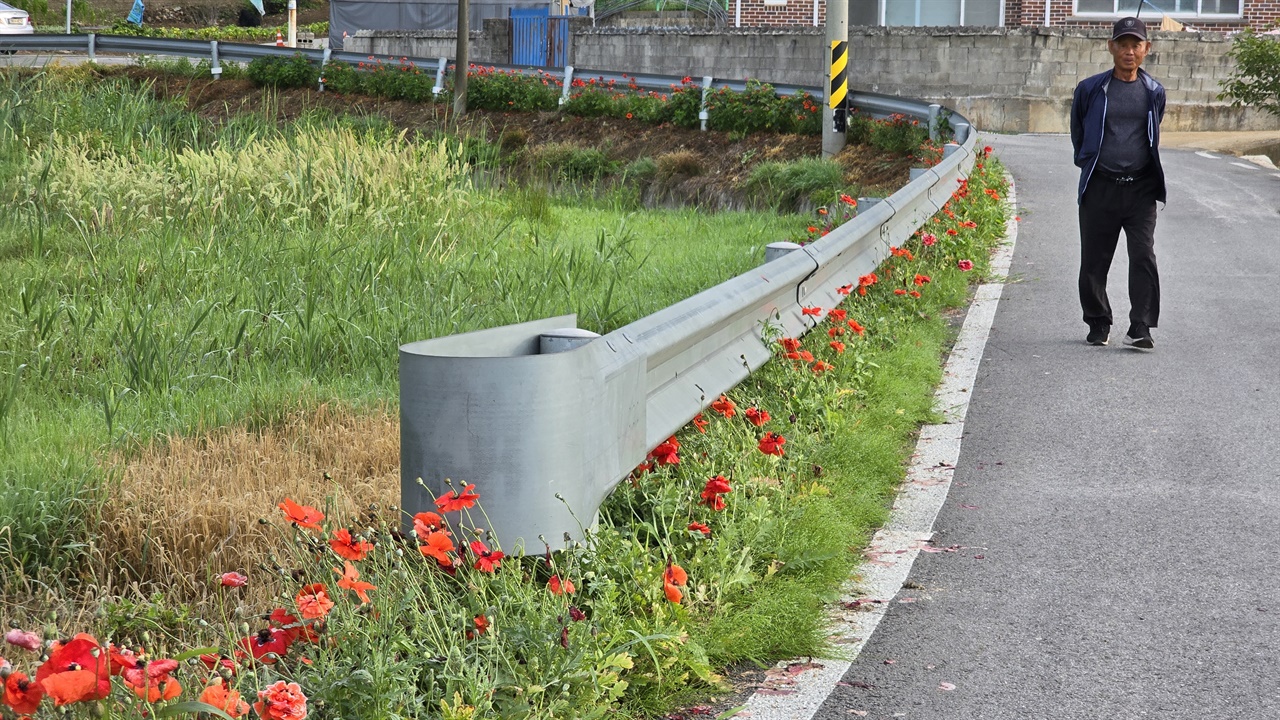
[[1139, 337], [1099, 334]]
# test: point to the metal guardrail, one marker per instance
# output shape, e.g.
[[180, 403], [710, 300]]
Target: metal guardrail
[[217, 51], [546, 419]]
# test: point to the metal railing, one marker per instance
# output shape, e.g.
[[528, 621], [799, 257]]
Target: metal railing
[[546, 419]]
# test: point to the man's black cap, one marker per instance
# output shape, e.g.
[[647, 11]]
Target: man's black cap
[[1129, 26]]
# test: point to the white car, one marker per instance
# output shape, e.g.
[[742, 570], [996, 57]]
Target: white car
[[14, 21]]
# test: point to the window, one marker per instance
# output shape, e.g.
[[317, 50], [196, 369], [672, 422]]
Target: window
[[1156, 8], [919, 13]]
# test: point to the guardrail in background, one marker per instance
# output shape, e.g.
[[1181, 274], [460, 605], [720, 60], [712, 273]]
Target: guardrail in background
[[216, 51], [545, 418]]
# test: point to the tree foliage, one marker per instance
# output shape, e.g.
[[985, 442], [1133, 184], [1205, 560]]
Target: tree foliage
[[1256, 77]]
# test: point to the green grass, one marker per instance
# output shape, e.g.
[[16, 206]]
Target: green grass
[[163, 276]]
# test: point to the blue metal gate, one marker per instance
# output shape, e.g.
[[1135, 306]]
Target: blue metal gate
[[539, 38]]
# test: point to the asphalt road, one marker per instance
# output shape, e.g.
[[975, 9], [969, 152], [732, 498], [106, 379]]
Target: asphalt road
[[1116, 511]]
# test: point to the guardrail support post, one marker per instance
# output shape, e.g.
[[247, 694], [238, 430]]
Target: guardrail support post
[[949, 149], [962, 133], [215, 68], [837, 85], [866, 203], [324, 60], [439, 88], [702, 111], [93, 46], [934, 109], [568, 82], [773, 251]]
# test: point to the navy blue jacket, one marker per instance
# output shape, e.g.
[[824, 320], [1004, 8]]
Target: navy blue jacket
[[1088, 117]]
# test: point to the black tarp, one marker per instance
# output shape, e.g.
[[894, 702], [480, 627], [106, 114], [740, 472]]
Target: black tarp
[[352, 15]]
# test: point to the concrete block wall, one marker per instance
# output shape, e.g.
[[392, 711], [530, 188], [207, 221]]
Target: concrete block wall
[[490, 44], [1005, 79]]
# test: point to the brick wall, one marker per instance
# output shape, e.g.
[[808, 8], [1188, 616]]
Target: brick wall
[[778, 13], [1258, 14]]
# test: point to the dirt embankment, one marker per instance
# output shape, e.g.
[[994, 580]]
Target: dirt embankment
[[710, 169]]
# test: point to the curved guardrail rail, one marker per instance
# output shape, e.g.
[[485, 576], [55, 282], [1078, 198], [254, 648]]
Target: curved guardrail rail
[[546, 418]]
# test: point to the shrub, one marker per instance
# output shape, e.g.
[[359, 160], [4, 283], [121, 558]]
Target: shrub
[[292, 72], [573, 163], [785, 183], [341, 77], [681, 162], [760, 109], [641, 170], [1255, 80], [592, 101], [490, 89], [403, 81], [684, 104], [898, 135], [858, 128]]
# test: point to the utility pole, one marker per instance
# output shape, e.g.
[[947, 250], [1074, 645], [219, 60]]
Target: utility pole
[[463, 60], [837, 85], [293, 24]]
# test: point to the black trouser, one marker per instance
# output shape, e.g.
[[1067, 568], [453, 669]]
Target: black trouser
[[1107, 208]]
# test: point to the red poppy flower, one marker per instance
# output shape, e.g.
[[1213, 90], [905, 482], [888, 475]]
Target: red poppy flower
[[76, 671], [771, 444], [812, 229], [313, 601], [821, 367], [835, 332], [806, 356], [914, 293], [952, 231], [790, 344], [233, 579], [929, 238], [666, 453], [838, 315], [725, 406], [560, 587], [899, 291], [121, 659], [642, 468], [757, 416], [575, 614], [153, 682], [845, 289], [23, 639], [482, 624], [922, 279], [214, 662], [438, 546], [350, 580], [348, 547], [986, 150], [837, 346], [292, 627], [855, 326], [265, 642], [969, 224], [701, 423], [673, 577], [847, 200], [301, 515], [486, 560], [699, 527], [965, 265], [712, 492], [453, 501], [425, 523], [221, 696], [281, 701], [822, 211], [815, 311], [22, 694]]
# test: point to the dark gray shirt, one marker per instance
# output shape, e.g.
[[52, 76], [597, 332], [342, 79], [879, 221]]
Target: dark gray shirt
[[1125, 149]]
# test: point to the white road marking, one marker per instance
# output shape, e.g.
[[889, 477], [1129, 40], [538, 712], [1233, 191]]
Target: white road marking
[[893, 550], [1204, 154], [1246, 166]]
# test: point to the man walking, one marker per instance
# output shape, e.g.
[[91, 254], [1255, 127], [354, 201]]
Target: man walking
[[1115, 129]]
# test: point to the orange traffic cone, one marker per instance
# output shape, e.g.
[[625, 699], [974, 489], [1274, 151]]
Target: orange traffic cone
[[279, 39]]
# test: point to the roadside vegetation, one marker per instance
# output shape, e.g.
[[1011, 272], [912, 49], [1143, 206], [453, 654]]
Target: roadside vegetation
[[199, 444], [1255, 79]]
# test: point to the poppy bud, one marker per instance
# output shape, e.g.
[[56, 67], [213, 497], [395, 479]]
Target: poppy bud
[[793, 417], [244, 628], [98, 710]]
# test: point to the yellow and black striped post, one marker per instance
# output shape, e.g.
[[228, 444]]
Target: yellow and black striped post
[[837, 84]]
